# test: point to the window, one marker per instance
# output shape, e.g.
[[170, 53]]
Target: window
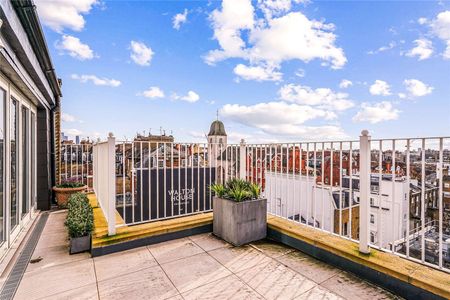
[[372, 219], [372, 238], [447, 185], [372, 202], [345, 228], [25, 161], [2, 167]]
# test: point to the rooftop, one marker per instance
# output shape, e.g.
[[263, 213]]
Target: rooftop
[[200, 266]]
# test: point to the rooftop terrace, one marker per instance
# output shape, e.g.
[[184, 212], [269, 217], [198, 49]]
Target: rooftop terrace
[[196, 267]]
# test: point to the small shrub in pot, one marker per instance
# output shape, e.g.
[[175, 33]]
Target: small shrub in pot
[[79, 223]]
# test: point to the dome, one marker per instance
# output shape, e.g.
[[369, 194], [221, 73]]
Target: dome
[[217, 128]]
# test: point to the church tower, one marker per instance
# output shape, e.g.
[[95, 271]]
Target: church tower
[[217, 142]]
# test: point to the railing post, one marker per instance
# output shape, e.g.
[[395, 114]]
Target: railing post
[[111, 184], [364, 183], [242, 160]]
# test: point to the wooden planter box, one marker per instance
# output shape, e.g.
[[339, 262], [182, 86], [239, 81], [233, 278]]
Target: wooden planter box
[[80, 244], [240, 223], [62, 194]]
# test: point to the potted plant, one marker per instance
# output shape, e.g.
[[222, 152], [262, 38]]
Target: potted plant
[[67, 188], [239, 212], [79, 223]]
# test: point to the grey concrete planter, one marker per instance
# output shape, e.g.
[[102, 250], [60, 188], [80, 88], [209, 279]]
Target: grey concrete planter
[[80, 244], [240, 223]]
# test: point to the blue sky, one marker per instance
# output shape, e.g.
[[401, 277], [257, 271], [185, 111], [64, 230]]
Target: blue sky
[[277, 70]]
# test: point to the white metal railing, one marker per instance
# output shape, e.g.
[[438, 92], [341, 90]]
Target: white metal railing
[[76, 163], [381, 193], [104, 180]]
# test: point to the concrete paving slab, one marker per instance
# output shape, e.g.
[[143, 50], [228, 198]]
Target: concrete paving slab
[[276, 281], [43, 258], [208, 241], [87, 292], [194, 271], [227, 288], [239, 258], [150, 283], [318, 292], [122, 263], [173, 250], [272, 249]]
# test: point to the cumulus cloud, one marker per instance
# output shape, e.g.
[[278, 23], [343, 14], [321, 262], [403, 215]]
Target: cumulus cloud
[[423, 49], [272, 40], [65, 117], [190, 97], [380, 88], [440, 28], [74, 47], [60, 14], [153, 92], [280, 118], [179, 19], [345, 83], [417, 88], [272, 8], [375, 113], [321, 97], [258, 73], [96, 80], [140, 53]]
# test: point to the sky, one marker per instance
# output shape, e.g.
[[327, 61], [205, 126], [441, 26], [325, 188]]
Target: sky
[[274, 70]]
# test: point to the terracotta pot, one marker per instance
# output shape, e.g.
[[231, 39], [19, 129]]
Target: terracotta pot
[[62, 194]]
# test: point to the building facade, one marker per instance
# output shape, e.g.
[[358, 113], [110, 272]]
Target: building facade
[[29, 109]]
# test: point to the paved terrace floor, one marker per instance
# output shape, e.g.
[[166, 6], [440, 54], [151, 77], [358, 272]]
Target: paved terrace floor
[[198, 267]]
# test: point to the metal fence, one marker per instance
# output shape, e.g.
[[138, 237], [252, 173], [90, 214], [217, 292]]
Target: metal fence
[[76, 163], [390, 194]]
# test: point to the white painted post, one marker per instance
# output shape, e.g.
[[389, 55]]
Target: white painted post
[[111, 184], [242, 160], [364, 182]]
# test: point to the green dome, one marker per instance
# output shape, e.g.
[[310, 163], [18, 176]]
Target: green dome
[[217, 128]]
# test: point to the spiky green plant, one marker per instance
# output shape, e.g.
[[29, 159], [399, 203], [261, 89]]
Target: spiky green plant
[[237, 190], [219, 190]]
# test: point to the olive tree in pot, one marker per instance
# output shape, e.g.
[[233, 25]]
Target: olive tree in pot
[[239, 212], [67, 188], [79, 222]]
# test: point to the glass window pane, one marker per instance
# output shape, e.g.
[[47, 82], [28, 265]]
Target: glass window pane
[[2, 145], [14, 149], [33, 161], [25, 161]]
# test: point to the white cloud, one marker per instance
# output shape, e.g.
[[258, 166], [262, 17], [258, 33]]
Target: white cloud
[[67, 118], [190, 97], [153, 92], [74, 47], [300, 73], [96, 80], [440, 27], [423, 49], [378, 112], [321, 97], [179, 19], [258, 73], [60, 14], [380, 88], [272, 8], [422, 21], [390, 46], [280, 118], [345, 83], [417, 88], [140, 53], [269, 42], [72, 131], [402, 95], [446, 53]]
